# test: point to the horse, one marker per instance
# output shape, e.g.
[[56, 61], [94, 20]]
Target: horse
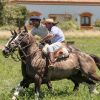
[[26, 81], [63, 69]]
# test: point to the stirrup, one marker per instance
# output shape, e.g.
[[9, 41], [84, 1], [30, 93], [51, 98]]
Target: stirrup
[[51, 64]]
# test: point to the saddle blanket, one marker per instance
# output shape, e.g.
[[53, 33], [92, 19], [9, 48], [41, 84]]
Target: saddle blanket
[[60, 53]]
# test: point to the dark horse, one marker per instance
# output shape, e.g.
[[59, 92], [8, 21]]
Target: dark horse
[[37, 65]]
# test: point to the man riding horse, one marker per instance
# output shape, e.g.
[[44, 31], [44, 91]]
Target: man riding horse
[[51, 32], [35, 66]]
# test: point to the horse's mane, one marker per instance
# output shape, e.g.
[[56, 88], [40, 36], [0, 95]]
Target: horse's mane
[[32, 38]]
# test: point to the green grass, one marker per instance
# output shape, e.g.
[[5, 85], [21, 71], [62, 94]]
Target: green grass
[[10, 76]]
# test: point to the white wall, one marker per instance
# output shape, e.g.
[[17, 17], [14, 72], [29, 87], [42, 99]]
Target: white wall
[[62, 9]]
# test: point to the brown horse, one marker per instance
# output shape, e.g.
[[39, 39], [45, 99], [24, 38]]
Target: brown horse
[[66, 68]]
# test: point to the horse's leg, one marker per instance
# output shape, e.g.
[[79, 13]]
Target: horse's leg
[[90, 71], [95, 77], [38, 81], [76, 83], [79, 78], [20, 87], [76, 87], [91, 85], [49, 85], [51, 90], [23, 84], [92, 88], [88, 67]]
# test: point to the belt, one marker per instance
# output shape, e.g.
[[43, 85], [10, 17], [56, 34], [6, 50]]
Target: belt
[[63, 42]]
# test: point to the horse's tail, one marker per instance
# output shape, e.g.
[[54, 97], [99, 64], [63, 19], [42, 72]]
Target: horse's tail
[[96, 59]]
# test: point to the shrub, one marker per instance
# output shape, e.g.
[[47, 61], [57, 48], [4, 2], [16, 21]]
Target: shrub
[[2, 3], [8, 27], [68, 25], [14, 13], [97, 23]]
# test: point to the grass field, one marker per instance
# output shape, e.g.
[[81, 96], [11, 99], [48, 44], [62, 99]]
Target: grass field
[[10, 75]]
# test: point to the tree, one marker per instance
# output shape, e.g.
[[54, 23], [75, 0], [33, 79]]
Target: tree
[[12, 14], [1, 9]]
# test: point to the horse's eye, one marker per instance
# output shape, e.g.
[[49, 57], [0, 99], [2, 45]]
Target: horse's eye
[[6, 47], [22, 34]]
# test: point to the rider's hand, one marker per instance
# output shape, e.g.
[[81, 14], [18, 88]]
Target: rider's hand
[[42, 42]]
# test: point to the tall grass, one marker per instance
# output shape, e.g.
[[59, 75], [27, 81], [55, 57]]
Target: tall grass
[[10, 75], [68, 25]]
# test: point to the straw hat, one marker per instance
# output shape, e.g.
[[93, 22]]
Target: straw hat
[[49, 20]]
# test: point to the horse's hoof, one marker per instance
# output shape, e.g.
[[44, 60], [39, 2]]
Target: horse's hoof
[[96, 92], [14, 98], [36, 96]]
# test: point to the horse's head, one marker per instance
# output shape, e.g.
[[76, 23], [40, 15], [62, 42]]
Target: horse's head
[[21, 40], [7, 50]]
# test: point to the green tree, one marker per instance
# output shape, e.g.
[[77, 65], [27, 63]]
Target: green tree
[[2, 3], [12, 14]]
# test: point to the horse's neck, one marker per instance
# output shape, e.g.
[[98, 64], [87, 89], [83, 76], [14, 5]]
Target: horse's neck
[[33, 50], [36, 58]]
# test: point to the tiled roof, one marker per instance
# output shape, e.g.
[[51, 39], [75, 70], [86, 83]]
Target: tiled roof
[[56, 0]]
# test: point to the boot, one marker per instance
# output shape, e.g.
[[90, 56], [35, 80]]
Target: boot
[[52, 59]]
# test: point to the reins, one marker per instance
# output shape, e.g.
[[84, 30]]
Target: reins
[[15, 59], [24, 54], [22, 50]]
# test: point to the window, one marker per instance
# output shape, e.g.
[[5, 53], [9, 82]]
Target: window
[[85, 21]]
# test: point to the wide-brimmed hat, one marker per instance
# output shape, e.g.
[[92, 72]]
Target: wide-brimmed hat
[[35, 18], [50, 20]]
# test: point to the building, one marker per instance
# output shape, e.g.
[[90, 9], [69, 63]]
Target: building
[[85, 12]]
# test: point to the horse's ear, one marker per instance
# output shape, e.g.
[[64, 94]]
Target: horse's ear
[[15, 33], [25, 29], [11, 32], [19, 30]]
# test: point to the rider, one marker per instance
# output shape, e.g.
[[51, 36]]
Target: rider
[[57, 39], [38, 28], [49, 31]]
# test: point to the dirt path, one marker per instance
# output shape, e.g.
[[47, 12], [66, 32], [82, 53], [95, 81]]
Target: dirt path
[[82, 33], [4, 34], [1, 46]]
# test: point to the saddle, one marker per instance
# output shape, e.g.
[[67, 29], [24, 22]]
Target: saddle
[[60, 53]]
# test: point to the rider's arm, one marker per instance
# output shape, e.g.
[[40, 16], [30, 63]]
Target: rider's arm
[[48, 37]]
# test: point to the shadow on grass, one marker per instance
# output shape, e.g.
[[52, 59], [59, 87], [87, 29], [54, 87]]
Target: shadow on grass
[[28, 93]]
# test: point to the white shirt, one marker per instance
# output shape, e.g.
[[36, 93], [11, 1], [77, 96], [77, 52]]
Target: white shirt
[[58, 34]]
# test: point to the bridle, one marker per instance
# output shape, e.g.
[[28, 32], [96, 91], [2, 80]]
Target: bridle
[[18, 44]]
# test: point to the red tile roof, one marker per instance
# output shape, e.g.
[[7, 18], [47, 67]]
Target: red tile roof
[[56, 0]]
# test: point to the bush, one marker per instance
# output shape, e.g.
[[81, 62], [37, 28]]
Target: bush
[[8, 27], [68, 25], [97, 23], [12, 14], [2, 3]]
